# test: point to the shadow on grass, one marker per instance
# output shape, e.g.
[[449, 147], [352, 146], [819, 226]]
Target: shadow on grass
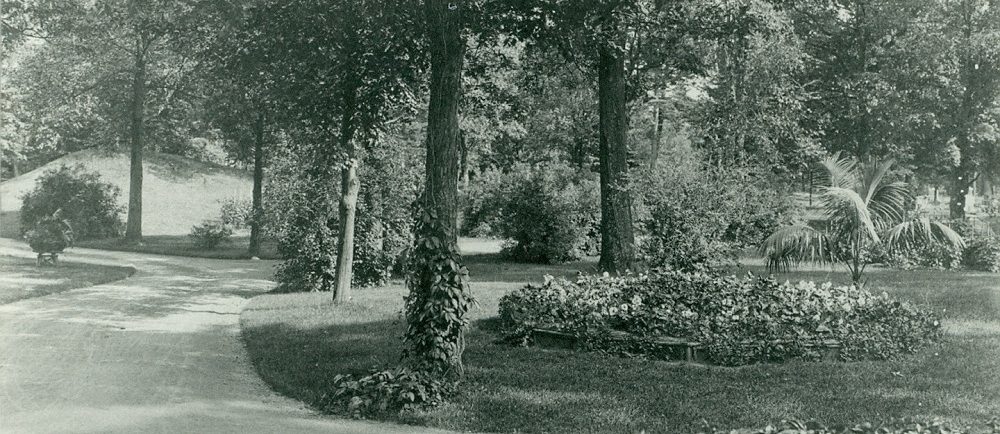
[[299, 351], [182, 245], [300, 342], [494, 267]]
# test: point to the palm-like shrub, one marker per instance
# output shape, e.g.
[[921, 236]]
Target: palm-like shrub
[[863, 210]]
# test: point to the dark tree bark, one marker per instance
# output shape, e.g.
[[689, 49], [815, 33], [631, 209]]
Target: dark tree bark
[[350, 185], [447, 49], [617, 236], [133, 227], [256, 220], [961, 183], [440, 203]]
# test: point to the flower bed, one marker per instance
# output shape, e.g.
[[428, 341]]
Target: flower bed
[[735, 321]]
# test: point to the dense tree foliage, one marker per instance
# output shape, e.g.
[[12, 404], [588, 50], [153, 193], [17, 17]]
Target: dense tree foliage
[[377, 127]]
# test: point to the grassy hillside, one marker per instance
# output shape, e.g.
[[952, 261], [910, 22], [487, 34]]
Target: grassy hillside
[[177, 192]]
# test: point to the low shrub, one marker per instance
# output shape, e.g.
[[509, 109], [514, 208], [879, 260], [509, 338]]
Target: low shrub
[[51, 234], [386, 391], [938, 256], [982, 254], [736, 320], [696, 219], [236, 213], [549, 213], [89, 205], [210, 233]]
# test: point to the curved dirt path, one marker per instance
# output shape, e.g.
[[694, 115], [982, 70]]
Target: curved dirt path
[[156, 352]]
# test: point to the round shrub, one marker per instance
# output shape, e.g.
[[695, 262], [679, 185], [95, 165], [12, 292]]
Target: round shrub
[[696, 219], [982, 254], [210, 233], [548, 213], [89, 205], [236, 213]]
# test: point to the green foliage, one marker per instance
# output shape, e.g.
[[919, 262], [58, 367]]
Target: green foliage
[[549, 213], [982, 254], [698, 219], [301, 213], [90, 206], [438, 300], [384, 223], [737, 321], [865, 210], [210, 233], [50, 234], [386, 391], [935, 255], [895, 426], [236, 213]]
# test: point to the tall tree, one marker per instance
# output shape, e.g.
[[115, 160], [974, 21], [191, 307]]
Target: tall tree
[[439, 298], [968, 32], [856, 73], [114, 55], [240, 102], [344, 67], [755, 110], [618, 41]]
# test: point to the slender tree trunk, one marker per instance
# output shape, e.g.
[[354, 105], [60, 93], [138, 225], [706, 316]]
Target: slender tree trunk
[[133, 227], [350, 185], [257, 219], [617, 237], [657, 140]]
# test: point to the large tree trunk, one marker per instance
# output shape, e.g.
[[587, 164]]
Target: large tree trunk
[[350, 185], [617, 237], [133, 227], [257, 217], [435, 311], [443, 135]]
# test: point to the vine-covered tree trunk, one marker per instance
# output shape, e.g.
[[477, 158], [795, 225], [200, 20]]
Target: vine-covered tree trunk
[[617, 236], [438, 298], [133, 227], [350, 185], [256, 219]]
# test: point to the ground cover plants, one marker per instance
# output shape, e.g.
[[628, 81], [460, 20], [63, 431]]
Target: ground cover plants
[[737, 320]]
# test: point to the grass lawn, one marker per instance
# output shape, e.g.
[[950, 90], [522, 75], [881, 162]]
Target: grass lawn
[[299, 342], [20, 278], [182, 245]]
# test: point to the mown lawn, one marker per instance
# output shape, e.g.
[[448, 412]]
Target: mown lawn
[[299, 342], [20, 278], [182, 245]]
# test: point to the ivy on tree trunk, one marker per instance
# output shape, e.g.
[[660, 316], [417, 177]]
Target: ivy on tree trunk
[[439, 298]]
